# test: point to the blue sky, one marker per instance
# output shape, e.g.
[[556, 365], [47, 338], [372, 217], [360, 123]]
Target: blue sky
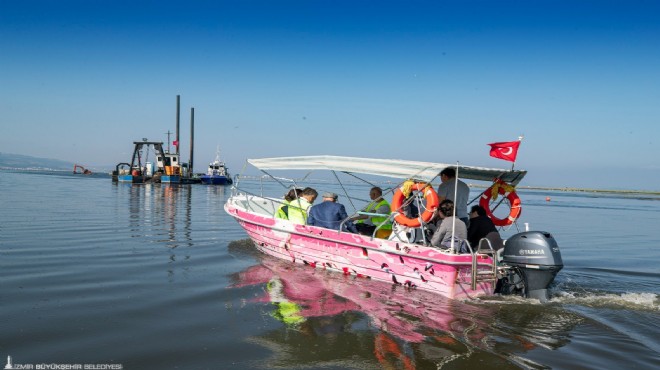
[[418, 80]]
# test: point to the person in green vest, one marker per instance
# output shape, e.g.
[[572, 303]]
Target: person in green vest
[[366, 225], [298, 207], [283, 210]]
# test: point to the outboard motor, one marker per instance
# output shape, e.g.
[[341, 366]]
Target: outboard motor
[[534, 260]]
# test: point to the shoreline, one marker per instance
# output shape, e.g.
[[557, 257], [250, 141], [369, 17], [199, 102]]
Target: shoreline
[[580, 190], [577, 190]]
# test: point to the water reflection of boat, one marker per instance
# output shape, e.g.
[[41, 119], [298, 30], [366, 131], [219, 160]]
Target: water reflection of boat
[[318, 293], [530, 259], [407, 329]]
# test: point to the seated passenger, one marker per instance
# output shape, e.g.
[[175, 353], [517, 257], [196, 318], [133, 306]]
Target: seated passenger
[[442, 237], [481, 226], [283, 210], [330, 214], [366, 225], [298, 207]]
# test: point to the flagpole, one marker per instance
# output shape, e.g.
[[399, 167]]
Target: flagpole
[[453, 220], [520, 139]]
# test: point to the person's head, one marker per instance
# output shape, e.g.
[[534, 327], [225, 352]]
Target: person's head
[[375, 193], [447, 174], [293, 194], [446, 208], [330, 197], [310, 194], [477, 211]]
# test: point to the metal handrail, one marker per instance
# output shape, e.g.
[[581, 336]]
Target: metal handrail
[[391, 215], [474, 260]]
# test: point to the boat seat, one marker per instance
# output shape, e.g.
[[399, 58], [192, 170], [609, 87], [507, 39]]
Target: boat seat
[[383, 234], [493, 238]]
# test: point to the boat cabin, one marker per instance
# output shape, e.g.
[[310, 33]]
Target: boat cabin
[[217, 168], [169, 163]]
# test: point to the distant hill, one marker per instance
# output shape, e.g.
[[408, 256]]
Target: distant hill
[[17, 161]]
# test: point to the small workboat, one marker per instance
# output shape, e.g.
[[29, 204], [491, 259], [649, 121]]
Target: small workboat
[[526, 266], [217, 173]]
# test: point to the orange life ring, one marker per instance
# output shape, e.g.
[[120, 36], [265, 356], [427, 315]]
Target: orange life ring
[[514, 203], [432, 203]]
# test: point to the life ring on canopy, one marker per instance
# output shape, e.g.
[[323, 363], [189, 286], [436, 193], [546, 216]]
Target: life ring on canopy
[[401, 194], [501, 187]]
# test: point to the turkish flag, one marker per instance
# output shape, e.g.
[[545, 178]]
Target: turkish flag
[[175, 143], [505, 150]]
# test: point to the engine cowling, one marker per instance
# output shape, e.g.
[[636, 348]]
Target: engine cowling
[[534, 259]]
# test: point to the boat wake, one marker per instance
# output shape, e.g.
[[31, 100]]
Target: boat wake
[[635, 301], [592, 299]]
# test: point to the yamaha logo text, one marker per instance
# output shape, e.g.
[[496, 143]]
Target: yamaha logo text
[[531, 251]]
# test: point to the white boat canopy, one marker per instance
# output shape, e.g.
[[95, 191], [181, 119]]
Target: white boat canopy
[[394, 168]]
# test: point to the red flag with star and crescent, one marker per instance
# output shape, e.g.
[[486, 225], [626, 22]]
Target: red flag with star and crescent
[[505, 150]]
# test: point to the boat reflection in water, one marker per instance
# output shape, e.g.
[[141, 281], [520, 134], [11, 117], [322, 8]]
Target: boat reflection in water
[[332, 320]]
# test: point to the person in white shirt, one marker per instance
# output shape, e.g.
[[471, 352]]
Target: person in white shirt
[[446, 191]]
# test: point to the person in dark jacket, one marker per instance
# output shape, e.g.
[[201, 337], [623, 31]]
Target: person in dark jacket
[[330, 214], [481, 226]]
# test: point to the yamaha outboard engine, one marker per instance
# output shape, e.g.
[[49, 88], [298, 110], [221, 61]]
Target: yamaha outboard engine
[[534, 260]]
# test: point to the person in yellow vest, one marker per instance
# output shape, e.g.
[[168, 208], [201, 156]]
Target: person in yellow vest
[[298, 207], [366, 225], [283, 210]]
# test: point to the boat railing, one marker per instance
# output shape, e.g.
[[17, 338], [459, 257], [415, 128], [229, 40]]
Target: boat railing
[[235, 184], [349, 218], [248, 202], [484, 275], [252, 205], [389, 219], [370, 214]]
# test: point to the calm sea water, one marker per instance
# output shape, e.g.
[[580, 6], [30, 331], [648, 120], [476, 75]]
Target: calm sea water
[[159, 277]]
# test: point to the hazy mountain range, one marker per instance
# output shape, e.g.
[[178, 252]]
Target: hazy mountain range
[[18, 161]]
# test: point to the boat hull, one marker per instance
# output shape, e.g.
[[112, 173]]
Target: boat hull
[[411, 265], [170, 179], [215, 180], [131, 179]]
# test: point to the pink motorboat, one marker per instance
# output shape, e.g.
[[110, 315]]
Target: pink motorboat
[[526, 265]]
